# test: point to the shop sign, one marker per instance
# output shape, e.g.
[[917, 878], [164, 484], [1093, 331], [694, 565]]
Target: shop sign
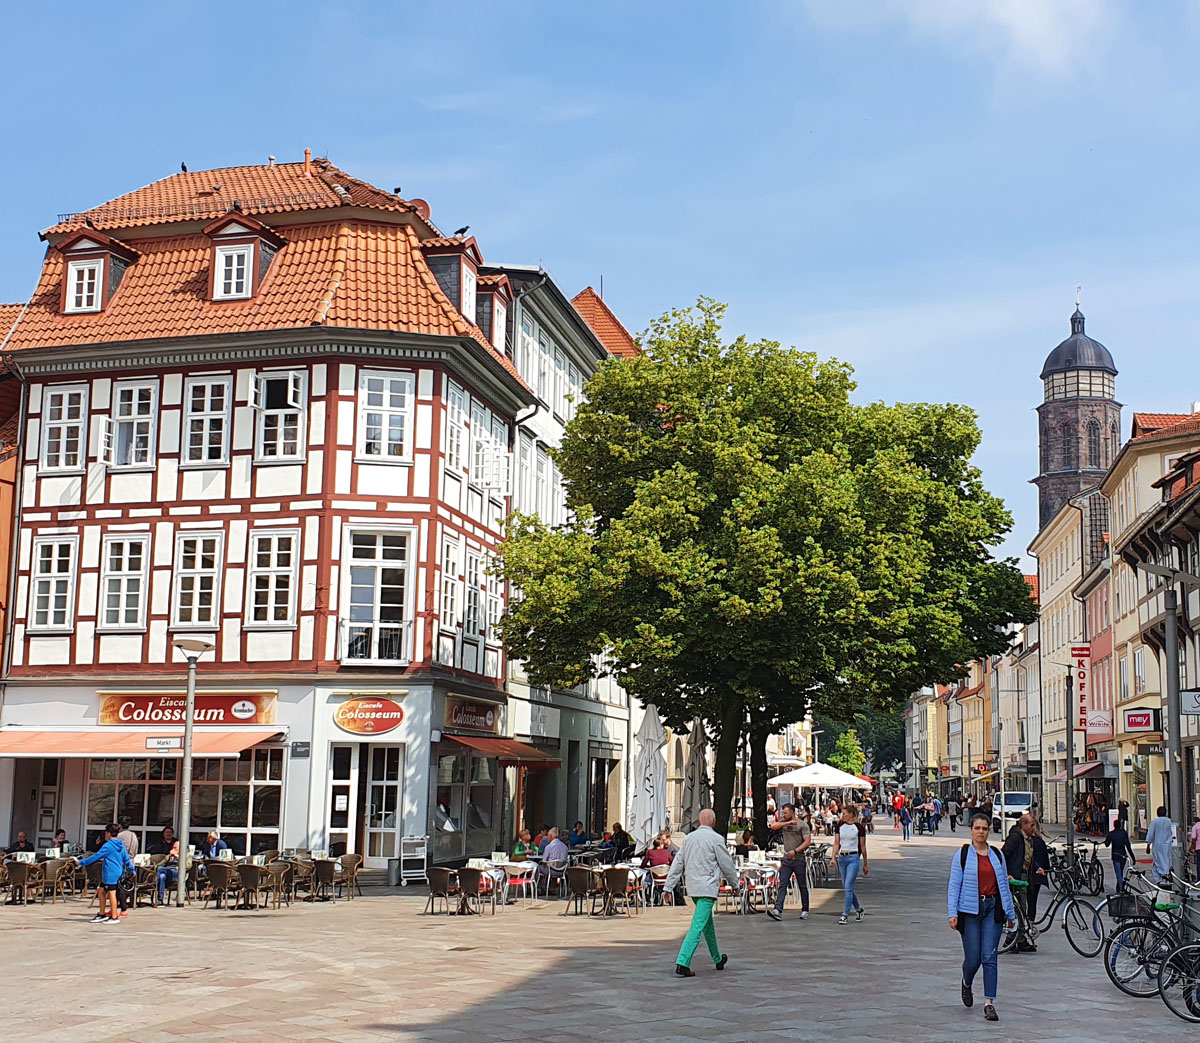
[[1189, 701], [1081, 668], [227, 708], [1140, 721], [301, 750], [945, 769], [472, 716], [368, 716], [159, 743], [1099, 722], [1150, 749]]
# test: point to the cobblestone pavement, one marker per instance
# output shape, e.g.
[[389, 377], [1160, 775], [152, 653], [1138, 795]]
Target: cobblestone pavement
[[375, 969]]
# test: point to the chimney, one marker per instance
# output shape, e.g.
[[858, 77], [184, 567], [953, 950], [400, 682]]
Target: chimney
[[308, 162], [1196, 407], [270, 161]]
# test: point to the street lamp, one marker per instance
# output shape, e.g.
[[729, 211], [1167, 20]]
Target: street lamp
[[192, 648]]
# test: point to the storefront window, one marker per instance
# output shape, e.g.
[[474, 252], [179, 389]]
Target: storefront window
[[481, 830], [448, 815]]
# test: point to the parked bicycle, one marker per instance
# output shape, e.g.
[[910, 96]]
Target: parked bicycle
[[1080, 922]]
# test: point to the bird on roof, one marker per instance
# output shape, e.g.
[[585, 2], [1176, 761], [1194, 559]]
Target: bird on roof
[[237, 205], [217, 188], [396, 190], [463, 231], [183, 167], [89, 222]]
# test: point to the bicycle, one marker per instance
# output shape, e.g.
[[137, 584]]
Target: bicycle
[[1137, 949], [1179, 972], [1080, 922]]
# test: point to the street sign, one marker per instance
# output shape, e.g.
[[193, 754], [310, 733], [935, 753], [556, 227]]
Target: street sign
[[1189, 701], [164, 742]]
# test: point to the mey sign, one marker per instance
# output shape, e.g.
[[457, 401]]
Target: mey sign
[[368, 716], [1139, 720]]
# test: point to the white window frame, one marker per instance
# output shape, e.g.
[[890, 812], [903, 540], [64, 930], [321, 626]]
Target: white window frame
[[387, 412], [545, 353], [112, 425], [123, 576], [498, 480], [468, 292], [560, 382], [526, 349], [408, 636], [524, 491], [180, 574], [76, 271], [499, 324], [272, 573], [450, 606], [224, 254], [541, 484], [495, 600], [67, 626], [481, 445], [458, 406], [48, 393], [297, 394], [206, 416], [472, 615]]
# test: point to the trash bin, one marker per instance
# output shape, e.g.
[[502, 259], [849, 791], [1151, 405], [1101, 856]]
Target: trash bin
[[393, 872]]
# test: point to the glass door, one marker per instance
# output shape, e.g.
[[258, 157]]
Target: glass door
[[385, 815], [342, 812]]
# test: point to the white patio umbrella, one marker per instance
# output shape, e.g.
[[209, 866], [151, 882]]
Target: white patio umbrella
[[648, 802], [825, 776], [695, 778]]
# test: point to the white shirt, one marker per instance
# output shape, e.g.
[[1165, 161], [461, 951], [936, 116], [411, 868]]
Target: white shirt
[[848, 835]]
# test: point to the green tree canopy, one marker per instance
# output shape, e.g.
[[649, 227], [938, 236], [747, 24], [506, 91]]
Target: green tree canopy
[[848, 753], [747, 542]]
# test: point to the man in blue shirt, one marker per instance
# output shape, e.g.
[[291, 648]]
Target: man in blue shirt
[[115, 862], [578, 835], [214, 845]]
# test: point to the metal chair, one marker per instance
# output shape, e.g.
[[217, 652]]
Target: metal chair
[[443, 884], [555, 872], [522, 879], [658, 889]]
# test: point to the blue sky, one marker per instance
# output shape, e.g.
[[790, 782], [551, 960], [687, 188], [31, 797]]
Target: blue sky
[[914, 186]]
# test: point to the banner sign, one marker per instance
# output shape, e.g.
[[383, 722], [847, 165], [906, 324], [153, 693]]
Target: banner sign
[[122, 709], [1081, 669], [470, 715]]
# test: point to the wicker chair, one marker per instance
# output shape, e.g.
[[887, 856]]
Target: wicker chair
[[252, 884], [443, 884], [220, 882], [476, 888], [25, 877], [283, 881], [347, 876], [616, 889], [60, 877], [302, 878], [583, 885], [324, 870]]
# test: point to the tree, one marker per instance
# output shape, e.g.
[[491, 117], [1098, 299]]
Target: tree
[[745, 544], [848, 753]]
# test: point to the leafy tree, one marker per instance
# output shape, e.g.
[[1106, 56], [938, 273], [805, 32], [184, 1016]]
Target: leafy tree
[[848, 753], [747, 544]]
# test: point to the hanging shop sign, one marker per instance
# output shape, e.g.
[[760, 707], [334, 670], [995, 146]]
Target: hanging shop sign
[[468, 715], [1141, 720], [1081, 669], [123, 709], [368, 716]]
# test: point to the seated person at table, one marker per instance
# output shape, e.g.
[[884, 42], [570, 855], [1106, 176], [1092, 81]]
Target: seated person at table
[[622, 843], [21, 843], [578, 836], [746, 844], [525, 846], [665, 837], [554, 851], [163, 845], [213, 845], [656, 855], [168, 871], [114, 863]]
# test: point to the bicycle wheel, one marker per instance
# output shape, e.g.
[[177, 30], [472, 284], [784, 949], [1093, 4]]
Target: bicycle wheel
[[1132, 956], [1095, 878], [1179, 982], [1086, 927]]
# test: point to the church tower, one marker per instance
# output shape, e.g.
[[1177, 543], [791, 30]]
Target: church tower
[[1079, 420]]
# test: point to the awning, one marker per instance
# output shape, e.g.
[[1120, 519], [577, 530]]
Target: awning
[[1080, 769], [985, 775], [867, 778], [112, 742], [510, 751]]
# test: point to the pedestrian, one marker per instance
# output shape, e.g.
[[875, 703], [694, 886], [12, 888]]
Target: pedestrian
[[977, 902], [952, 809], [905, 817], [1159, 838], [850, 856], [115, 863], [1122, 850], [129, 838], [897, 804], [703, 861], [1195, 839], [936, 814], [1026, 858], [797, 838]]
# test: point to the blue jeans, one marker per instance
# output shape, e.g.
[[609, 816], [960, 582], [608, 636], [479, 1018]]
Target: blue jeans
[[981, 939], [848, 866], [168, 876], [907, 827], [1119, 869], [789, 868], [934, 820]]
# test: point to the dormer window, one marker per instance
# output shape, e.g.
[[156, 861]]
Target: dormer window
[[469, 283], [233, 272], [499, 322], [83, 285], [242, 253]]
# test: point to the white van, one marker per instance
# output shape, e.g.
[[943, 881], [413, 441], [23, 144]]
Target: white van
[[1016, 803]]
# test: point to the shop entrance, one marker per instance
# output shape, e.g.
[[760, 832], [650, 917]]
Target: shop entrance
[[366, 801], [384, 816]]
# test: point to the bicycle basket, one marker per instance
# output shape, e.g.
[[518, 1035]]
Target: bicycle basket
[[1128, 906]]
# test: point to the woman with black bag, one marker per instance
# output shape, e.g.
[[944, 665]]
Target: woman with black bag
[[978, 901]]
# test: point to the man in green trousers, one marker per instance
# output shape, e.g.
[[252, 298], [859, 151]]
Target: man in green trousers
[[701, 863]]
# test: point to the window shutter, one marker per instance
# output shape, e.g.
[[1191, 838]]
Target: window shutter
[[259, 392], [296, 390], [108, 441]]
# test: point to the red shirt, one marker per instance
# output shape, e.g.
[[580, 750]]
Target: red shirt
[[987, 877]]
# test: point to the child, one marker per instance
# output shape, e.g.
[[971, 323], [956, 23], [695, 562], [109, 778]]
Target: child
[[115, 862]]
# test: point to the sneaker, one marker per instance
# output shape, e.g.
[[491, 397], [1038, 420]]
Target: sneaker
[[99, 918], [111, 920], [968, 997], [803, 914], [989, 1013], [122, 914], [774, 914], [843, 921], [859, 915]]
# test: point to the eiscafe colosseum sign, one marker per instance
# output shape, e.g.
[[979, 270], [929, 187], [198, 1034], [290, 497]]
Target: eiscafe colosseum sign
[[471, 716], [226, 708]]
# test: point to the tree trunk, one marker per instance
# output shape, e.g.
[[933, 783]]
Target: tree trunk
[[725, 768], [760, 730]]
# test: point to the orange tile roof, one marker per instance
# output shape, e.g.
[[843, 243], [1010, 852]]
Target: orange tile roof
[[605, 324], [1145, 423], [1187, 423], [355, 273], [9, 313], [1033, 582], [258, 189]]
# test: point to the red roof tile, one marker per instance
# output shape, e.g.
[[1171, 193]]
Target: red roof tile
[[1145, 423], [1033, 582], [9, 313], [258, 190], [605, 324], [1187, 423]]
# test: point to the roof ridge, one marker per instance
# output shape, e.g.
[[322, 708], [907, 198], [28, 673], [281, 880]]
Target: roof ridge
[[335, 276]]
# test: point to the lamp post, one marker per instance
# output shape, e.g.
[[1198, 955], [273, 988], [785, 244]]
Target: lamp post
[[192, 648]]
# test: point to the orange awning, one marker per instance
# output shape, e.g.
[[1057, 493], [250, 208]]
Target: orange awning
[[1080, 769], [508, 750], [112, 742]]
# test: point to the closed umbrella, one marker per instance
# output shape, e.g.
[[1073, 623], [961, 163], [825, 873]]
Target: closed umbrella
[[648, 805], [695, 778]]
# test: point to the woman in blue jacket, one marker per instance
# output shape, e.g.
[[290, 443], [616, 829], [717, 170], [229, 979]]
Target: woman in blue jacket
[[115, 862], [977, 893]]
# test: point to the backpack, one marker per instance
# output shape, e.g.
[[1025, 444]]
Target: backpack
[[962, 856]]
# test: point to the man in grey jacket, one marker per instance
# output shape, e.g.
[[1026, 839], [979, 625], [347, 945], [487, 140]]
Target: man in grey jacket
[[701, 863]]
